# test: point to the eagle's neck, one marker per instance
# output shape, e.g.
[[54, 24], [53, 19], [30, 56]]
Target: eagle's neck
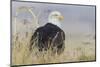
[[55, 22]]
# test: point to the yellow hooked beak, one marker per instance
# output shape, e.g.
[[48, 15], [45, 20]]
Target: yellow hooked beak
[[61, 18]]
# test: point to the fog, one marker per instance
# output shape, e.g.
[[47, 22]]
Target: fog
[[77, 18]]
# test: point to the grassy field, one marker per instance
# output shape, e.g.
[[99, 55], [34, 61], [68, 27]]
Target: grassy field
[[77, 48]]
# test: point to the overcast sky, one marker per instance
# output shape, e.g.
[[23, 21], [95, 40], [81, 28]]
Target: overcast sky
[[77, 19]]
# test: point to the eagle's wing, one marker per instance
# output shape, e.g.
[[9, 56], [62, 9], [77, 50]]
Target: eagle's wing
[[33, 40], [58, 42]]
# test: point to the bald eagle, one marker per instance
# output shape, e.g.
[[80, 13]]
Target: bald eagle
[[50, 35]]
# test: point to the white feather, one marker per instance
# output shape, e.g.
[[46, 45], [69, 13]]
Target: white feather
[[53, 18]]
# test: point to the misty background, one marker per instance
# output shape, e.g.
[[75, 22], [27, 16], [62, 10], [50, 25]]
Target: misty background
[[78, 19]]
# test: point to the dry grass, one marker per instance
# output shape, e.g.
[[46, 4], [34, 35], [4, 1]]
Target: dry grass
[[78, 48], [22, 56]]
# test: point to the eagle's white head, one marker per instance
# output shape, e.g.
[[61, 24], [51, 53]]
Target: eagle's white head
[[56, 18]]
